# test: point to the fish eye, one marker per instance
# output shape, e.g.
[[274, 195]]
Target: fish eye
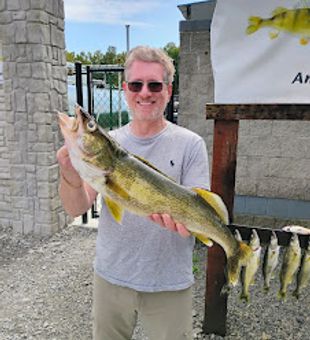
[[91, 126]]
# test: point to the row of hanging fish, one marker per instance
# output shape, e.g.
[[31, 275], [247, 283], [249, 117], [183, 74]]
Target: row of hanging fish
[[295, 265]]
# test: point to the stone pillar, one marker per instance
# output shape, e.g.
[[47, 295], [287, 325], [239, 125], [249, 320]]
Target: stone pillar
[[196, 78], [34, 71]]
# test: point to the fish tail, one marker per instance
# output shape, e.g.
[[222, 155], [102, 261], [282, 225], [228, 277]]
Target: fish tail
[[245, 297], [226, 289], [296, 293], [254, 24], [281, 294], [266, 289], [236, 261]]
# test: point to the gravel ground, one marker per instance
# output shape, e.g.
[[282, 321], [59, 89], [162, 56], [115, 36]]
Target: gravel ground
[[46, 285]]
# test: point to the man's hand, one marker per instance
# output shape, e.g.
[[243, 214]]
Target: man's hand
[[66, 167], [166, 221]]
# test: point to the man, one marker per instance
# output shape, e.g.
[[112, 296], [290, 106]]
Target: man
[[143, 266]]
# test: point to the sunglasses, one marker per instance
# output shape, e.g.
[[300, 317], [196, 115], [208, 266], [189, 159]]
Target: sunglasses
[[153, 86]]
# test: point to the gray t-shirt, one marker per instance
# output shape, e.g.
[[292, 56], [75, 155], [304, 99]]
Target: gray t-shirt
[[138, 253]]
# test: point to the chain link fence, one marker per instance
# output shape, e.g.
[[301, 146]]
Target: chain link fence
[[107, 97]]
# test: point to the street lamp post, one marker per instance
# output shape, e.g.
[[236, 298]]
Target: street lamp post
[[127, 37]]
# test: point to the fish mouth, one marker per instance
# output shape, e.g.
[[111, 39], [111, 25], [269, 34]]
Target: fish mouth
[[65, 122]]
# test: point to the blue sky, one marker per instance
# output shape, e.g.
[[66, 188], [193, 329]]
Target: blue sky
[[92, 25]]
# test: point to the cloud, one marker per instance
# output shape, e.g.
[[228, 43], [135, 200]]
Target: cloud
[[109, 11]]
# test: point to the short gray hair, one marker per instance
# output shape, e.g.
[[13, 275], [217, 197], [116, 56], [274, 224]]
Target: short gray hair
[[151, 54]]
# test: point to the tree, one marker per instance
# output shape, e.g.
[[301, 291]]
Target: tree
[[173, 51]]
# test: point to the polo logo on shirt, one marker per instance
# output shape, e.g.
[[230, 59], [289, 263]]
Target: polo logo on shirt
[[172, 162]]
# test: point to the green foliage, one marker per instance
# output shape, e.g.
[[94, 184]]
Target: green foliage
[[173, 51], [111, 57], [109, 121], [196, 267]]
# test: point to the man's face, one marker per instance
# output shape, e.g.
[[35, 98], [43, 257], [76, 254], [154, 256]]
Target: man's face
[[146, 105]]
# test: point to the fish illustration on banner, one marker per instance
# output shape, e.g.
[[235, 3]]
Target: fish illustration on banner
[[295, 21], [264, 55]]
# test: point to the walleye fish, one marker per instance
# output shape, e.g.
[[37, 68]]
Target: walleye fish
[[303, 276], [290, 265], [297, 229], [249, 271], [271, 260], [128, 182], [295, 21]]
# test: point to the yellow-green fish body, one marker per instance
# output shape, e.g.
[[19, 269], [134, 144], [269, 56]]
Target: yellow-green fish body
[[303, 276], [249, 271], [295, 21], [271, 259], [128, 182], [290, 265]]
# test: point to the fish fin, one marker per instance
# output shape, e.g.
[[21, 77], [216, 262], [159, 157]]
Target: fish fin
[[254, 24], [116, 188], [304, 41], [141, 159], [236, 261], [115, 209], [215, 201], [203, 239], [273, 34], [279, 10]]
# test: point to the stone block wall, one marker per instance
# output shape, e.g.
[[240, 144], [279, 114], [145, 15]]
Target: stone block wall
[[34, 71], [273, 156]]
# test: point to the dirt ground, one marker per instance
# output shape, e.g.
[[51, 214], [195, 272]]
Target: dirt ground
[[46, 294]]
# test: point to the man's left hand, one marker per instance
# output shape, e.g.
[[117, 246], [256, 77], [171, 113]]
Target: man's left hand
[[166, 221]]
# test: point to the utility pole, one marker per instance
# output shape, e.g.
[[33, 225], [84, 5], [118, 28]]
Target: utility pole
[[127, 37]]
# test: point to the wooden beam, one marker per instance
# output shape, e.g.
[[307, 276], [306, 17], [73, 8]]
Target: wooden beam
[[265, 233], [258, 111], [223, 183]]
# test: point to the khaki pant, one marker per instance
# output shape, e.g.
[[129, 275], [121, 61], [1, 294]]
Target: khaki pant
[[164, 315]]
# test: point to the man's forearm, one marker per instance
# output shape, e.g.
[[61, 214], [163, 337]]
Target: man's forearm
[[76, 198]]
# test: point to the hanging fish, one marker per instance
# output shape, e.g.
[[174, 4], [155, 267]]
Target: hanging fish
[[290, 265], [295, 21], [248, 272], [303, 276], [298, 229], [271, 260]]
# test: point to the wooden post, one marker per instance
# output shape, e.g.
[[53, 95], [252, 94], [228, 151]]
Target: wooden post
[[227, 118], [223, 183]]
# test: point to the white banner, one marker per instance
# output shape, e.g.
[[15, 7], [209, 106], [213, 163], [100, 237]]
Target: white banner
[[1, 65], [260, 51]]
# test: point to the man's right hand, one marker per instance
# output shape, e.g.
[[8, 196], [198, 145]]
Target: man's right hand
[[66, 168]]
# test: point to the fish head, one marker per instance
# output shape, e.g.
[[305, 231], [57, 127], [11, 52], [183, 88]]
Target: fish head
[[273, 240], [86, 141], [80, 133], [254, 240], [294, 242]]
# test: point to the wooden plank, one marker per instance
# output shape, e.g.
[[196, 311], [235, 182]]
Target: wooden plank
[[258, 111], [223, 183]]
